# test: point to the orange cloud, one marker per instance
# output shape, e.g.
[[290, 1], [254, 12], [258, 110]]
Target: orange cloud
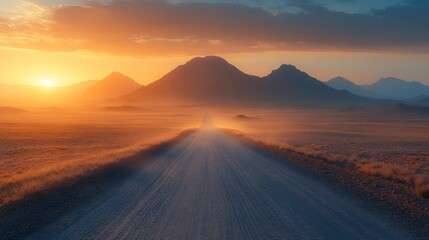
[[148, 27]]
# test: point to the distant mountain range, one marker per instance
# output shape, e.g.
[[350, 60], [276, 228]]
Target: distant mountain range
[[114, 85], [341, 83], [387, 88], [212, 80], [215, 81]]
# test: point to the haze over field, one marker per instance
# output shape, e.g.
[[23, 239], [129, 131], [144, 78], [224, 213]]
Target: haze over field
[[214, 119]]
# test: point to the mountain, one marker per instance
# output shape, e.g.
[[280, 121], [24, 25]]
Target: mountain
[[341, 83], [213, 80], [114, 85], [388, 88], [396, 88], [209, 79], [287, 84]]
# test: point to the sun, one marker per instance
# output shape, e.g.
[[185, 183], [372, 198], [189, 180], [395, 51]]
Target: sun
[[47, 83]]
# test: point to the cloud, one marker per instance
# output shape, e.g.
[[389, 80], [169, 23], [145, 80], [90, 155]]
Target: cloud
[[149, 27]]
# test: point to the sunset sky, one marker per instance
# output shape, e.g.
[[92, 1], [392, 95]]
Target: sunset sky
[[68, 41]]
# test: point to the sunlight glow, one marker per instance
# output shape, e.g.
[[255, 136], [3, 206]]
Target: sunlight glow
[[47, 83]]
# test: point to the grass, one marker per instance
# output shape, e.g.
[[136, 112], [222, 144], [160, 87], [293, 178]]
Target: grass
[[33, 181], [422, 191], [387, 170], [395, 149], [422, 186], [22, 184], [36, 154], [403, 174]]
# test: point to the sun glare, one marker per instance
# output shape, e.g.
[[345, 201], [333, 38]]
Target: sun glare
[[47, 83]]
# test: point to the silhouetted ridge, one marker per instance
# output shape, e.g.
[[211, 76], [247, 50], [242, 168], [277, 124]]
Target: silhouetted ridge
[[287, 71], [341, 83], [287, 68], [288, 83], [396, 88], [202, 79], [208, 60], [214, 80], [205, 66], [341, 80], [117, 77], [390, 80], [291, 76], [115, 84]]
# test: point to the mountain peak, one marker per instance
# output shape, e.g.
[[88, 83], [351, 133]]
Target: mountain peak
[[398, 82], [214, 63], [213, 80], [207, 67], [115, 75], [341, 83], [209, 59], [391, 80], [287, 70], [339, 79], [113, 85], [396, 88], [288, 67]]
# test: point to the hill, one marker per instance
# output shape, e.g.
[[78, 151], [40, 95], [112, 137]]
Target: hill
[[209, 79], [396, 88], [341, 83], [212, 80], [114, 85]]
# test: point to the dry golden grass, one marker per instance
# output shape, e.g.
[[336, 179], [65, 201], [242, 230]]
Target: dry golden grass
[[422, 191], [24, 183], [392, 148], [387, 170], [38, 150], [422, 186]]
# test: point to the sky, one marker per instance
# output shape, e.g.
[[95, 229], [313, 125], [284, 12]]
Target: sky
[[68, 41]]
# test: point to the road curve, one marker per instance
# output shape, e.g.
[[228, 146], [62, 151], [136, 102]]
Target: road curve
[[211, 186]]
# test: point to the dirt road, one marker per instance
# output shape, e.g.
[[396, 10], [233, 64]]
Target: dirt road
[[211, 186]]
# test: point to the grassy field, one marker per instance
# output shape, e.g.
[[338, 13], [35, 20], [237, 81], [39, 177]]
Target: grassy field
[[393, 147], [41, 148]]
